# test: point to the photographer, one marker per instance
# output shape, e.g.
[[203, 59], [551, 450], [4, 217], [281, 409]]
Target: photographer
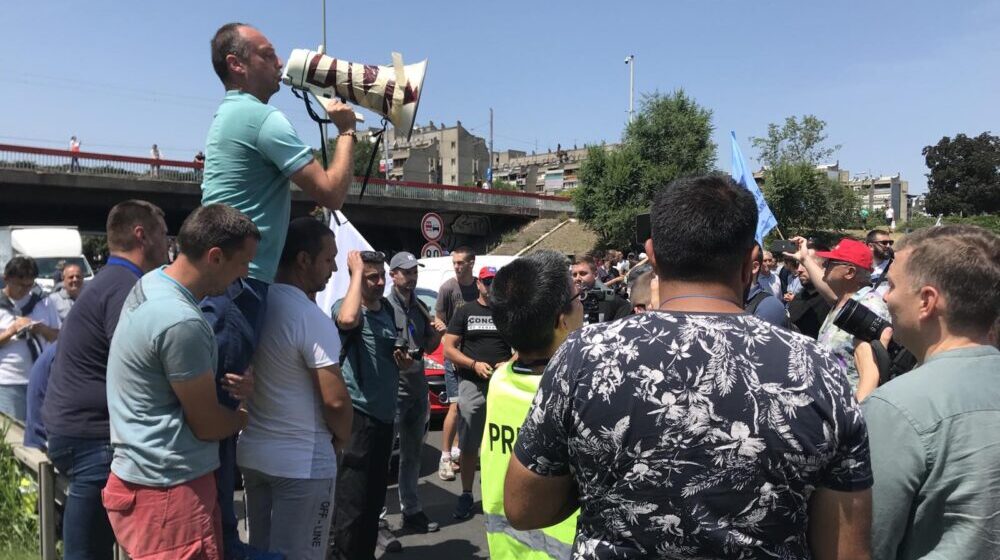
[[933, 430], [419, 335], [600, 304], [370, 363], [846, 275]]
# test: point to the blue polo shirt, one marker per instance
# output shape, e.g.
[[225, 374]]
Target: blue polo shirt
[[250, 154]]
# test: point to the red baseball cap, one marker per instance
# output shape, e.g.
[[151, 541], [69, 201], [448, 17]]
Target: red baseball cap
[[850, 251], [487, 272]]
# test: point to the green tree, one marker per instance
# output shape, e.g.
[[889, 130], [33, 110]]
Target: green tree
[[670, 137], [362, 152], [501, 185], [803, 198], [965, 175], [796, 141]]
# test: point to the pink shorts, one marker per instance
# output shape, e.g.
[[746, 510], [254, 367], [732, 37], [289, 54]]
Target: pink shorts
[[172, 523]]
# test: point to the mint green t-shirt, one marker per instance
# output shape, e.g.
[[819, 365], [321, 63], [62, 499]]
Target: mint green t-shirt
[[370, 373], [935, 451], [250, 153], [161, 337]]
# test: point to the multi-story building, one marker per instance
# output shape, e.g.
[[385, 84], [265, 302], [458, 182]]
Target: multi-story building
[[874, 193], [551, 172], [438, 154]]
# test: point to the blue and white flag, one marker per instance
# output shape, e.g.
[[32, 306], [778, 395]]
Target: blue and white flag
[[743, 175]]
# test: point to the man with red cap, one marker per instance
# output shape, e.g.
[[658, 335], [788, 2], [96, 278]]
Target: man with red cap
[[476, 348], [846, 275]]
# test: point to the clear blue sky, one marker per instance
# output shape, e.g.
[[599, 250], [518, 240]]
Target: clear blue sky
[[888, 77]]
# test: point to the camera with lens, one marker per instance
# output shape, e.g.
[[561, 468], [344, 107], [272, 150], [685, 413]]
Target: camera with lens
[[591, 300], [864, 324], [403, 346]]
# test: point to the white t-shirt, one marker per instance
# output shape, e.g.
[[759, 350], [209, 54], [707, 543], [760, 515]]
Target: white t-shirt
[[287, 435], [15, 356]]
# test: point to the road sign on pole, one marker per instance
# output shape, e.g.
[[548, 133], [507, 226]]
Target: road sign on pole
[[431, 249], [432, 226]]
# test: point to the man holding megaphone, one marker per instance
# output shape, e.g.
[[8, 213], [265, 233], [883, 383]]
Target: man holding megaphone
[[252, 154]]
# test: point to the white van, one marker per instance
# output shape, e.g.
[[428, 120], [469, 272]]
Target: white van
[[49, 246], [438, 269]]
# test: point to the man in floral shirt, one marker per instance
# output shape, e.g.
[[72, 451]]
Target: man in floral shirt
[[695, 430]]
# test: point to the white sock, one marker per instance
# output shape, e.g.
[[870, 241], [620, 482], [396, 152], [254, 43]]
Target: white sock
[[445, 455], [455, 453]]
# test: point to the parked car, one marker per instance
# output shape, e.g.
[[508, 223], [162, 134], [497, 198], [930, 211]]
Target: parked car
[[434, 364]]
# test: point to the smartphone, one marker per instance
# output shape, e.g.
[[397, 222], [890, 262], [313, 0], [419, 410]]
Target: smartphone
[[781, 246], [643, 231]]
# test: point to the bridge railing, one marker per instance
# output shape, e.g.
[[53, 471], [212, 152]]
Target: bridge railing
[[49, 160], [91, 163]]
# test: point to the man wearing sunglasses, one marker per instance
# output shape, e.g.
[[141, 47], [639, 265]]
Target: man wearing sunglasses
[[846, 275], [880, 243]]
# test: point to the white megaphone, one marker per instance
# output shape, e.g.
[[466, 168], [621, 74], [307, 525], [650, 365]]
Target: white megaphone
[[391, 91]]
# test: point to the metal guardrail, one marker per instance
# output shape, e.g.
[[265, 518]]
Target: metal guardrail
[[52, 487], [47, 160]]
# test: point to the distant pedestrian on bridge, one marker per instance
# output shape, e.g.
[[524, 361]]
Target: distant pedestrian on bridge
[[154, 154], [74, 148], [251, 155]]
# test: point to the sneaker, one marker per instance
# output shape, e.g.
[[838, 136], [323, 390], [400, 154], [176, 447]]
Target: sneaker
[[419, 523], [386, 539], [464, 508], [445, 472]]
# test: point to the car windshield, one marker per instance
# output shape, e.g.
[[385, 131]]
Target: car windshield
[[427, 297], [47, 266]]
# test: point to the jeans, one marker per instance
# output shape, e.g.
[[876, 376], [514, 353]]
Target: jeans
[[237, 319], [412, 417], [87, 533], [362, 480], [14, 401]]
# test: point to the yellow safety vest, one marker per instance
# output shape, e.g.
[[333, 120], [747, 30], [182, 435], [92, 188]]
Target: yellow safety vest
[[507, 405]]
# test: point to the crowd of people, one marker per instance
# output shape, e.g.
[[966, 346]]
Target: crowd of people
[[721, 411]]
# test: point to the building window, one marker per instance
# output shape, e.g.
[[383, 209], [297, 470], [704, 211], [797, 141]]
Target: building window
[[453, 159], [452, 144], [452, 178]]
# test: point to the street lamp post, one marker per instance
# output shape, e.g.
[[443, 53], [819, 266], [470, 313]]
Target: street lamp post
[[630, 60]]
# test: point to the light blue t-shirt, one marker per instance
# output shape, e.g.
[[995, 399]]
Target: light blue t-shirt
[[250, 153], [161, 337]]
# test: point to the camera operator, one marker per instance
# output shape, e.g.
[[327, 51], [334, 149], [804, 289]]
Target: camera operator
[[370, 363], [846, 275], [933, 430], [419, 335], [600, 303]]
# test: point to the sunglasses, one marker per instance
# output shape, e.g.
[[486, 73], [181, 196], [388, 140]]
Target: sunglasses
[[831, 263], [486, 281], [886, 243]]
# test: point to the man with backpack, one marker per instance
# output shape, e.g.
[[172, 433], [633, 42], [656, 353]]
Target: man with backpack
[[760, 302]]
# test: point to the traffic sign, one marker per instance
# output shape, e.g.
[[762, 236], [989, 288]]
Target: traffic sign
[[432, 226], [431, 249]]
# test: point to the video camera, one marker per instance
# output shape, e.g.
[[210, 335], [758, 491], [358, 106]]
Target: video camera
[[862, 323], [591, 300]]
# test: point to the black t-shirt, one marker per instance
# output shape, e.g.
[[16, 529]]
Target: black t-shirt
[[808, 311], [76, 402], [481, 341]]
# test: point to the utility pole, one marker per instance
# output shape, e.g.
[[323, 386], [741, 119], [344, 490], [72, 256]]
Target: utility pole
[[630, 60], [491, 171], [385, 142]]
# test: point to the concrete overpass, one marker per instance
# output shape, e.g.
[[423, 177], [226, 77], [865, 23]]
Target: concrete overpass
[[40, 186]]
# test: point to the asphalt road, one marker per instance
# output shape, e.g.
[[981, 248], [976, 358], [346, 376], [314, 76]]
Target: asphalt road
[[456, 539]]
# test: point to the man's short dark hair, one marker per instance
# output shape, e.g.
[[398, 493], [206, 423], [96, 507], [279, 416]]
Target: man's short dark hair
[[21, 267], [215, 225], [304, 234], [527, 296], [125, 216], [870, 238], [963, 263], [464, 250], [227, 41], [703, 228]]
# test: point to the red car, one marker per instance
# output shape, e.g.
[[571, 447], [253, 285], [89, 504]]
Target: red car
[[434, 365]]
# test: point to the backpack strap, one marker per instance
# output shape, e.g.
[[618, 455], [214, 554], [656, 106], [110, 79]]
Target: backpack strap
[[754, 303]]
